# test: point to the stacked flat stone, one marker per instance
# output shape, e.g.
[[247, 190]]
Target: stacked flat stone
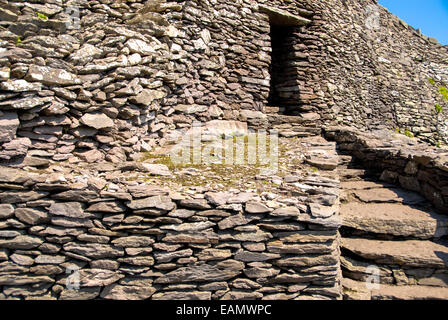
[[137, 240]]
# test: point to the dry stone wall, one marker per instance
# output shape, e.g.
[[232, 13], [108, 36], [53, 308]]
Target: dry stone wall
[[127, 74], [130, 75], [400, 160], [375, 70], [92, 90], [130, 239]]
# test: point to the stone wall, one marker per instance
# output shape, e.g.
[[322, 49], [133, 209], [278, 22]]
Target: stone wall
[[135, 71], [125, 239], [400, 160], [374, 70], [92, 90]]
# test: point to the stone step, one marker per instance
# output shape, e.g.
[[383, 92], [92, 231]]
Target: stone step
[[345, 160], [408, 253], [384, 195], [356, 290], [352, 174], [275, 119], [394, 219], [291, 131]]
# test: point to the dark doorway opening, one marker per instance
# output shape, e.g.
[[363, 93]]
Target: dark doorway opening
[[284, 86]]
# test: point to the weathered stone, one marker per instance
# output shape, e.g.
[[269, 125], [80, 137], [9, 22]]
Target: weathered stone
[[105, 264], [20, 196], [307, 236], [250, 236], [21, 242], [6, 211], [319, 211], [247, 256], [217, 198], [138, 261], [197, 238], [394, 219], [214, 213], [242, 197], [302, 248], [46, 270], [98, 277], [67, 222], [93, 250], [242, 295], [45, 259], [19, 280], [307, 261], [256, 207], [198, 204], [88, 293], [20, 86], [388, 195], [190, 109], [76, 195], [189, 295], [22, 260], [189, 227], [90, 156], [146, 97], [133, 242], [167, 257], [9, 122], [157, 169], [69, 209], [108, 207], [97, 121], [214, 254], [132, 292], [410, 253], [233, 221], [286, 212], [51, 76], [141, 47], [85, 54], [159, 202], [31, 216]]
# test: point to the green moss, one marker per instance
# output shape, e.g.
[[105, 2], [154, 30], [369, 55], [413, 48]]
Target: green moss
[[431, 81], [408, 133], [41, 16], [438, 108], [444, 92], [19, 40]]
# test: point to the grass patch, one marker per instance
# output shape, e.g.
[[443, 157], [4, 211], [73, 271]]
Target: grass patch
[[41, 16]]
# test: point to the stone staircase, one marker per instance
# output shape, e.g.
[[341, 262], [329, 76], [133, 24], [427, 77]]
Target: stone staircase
[[394, 245], [289, 126]]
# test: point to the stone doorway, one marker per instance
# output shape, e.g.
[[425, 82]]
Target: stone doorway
[[286, 66], [284, 87]]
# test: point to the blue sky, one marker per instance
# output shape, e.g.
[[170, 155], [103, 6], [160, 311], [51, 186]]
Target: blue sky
[[430, 16]]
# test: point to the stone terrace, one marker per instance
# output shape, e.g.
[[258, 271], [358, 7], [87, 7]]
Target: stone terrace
[[135, 235]]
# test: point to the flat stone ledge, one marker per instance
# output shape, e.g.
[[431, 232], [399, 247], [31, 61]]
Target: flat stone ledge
[[280, 17]]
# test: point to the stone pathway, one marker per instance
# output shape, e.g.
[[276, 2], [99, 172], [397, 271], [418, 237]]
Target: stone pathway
[[393, 234]]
